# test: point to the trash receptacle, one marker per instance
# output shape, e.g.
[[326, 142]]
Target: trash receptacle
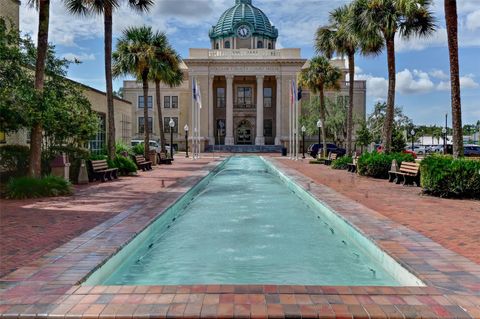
[[284, 151], [60, 166]]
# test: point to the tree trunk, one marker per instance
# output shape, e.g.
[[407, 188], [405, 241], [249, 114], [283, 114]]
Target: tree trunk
[[145, 114], [160, 116], [108, 78], [322, 117], [388, 124], [35, 161], [452, 35], [351, 71]]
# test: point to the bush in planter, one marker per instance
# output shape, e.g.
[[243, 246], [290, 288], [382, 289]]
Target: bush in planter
[[378, 164], [124, 164], [138, 149], [341, 162], [14, 159], [444, 176], [121, 148], [29, 187]]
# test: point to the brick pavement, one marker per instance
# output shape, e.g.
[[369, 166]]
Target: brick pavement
[[453, 223]]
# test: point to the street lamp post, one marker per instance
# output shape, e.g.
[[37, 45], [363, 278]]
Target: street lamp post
[[444, 133], [319, 125], [186, 140], [303, 141], [412, 133], [172, 125]]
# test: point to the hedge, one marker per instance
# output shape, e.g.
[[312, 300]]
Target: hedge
[[444, 176], [30, 187], [341, 162], [378, 164], [14, 159]]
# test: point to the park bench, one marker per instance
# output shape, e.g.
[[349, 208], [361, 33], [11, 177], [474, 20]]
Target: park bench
[[352, 167], [331, 157], [99, 171], [163, 159], [142, 163], [392, 173], [409, 172]]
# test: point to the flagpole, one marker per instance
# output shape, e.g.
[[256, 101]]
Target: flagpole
[[193, 119], [297, 144], [290, 123], [199, 114]]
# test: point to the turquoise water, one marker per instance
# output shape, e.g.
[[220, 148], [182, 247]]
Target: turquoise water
[[245, 226]]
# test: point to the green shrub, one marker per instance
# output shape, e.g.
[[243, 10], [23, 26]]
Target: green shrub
[[74, 154], [29, 187], [341, 162], [98, 157], [121, 148], [14, 159], [124, 164], [138, 149], [378, 164], [447, 177]]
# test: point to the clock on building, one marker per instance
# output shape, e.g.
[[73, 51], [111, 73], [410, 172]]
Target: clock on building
[[243, 31]]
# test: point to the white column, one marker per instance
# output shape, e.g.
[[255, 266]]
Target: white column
[[229, 140], [260, 139], [211, 122], [278, 118]]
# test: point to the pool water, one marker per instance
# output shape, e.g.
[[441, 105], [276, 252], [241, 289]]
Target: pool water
[[246, 226]]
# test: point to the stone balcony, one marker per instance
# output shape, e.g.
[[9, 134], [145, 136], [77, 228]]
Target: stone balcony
[[252, 54]]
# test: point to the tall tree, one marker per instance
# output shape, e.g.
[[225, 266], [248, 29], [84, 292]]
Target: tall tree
[[106, 7], [135, 55], [384, 19], [165, 69], [337, 37], [35, 161], [318, 76], [452, 35]]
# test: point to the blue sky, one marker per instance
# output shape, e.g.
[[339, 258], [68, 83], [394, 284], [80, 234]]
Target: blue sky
[[422, 64]]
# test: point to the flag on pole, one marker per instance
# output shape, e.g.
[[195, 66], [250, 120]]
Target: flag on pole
[[292, 93], [199, 95], [194, 90], [299, 95]]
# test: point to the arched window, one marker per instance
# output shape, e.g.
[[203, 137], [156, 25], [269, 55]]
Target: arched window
[[270, 46], [217, 46], [259, 45], [227, 44]]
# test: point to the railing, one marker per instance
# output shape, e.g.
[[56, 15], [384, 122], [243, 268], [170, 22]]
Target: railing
[[244, 106], [245, 54], [361, 85]]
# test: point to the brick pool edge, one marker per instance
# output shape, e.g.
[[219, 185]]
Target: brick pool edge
[[49, 287]]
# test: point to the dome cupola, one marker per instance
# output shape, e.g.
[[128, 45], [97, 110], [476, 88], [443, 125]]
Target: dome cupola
[[243, 26]]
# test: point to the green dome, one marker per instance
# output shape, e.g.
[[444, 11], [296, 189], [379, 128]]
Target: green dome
[[243, 13]]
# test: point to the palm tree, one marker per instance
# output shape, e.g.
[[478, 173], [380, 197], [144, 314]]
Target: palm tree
[[165, 69], [337, 37], [35, 160], [106, 7], [318, 76], [134, 55], [382, 20], [452, 35]]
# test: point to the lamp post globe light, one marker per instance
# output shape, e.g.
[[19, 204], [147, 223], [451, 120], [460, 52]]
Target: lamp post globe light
[[319, 125], [303, 141], [186, 139], [172, 125]]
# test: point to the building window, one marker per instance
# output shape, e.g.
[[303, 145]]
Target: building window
[[259, 45], [269, 46], [267, 128], [140, 101], [244, 96], [166, 102], [220, 97], [227, 44], [97, 144], [267, 97], [166, 124], [343, 100], [141, 125], [174, 102], [126, 128]]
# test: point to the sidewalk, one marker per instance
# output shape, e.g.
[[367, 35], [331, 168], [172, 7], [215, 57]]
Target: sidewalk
[[32, 228], [455, 224]]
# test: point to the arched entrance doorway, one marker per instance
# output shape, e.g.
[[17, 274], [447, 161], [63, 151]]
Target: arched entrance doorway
[[243, 133]]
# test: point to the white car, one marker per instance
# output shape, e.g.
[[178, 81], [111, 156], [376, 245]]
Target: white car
[[153, 144], [419, 150]]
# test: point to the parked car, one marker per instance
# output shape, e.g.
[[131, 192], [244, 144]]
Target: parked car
[[471, 150], [314, 149], [419, 150], [410, 152], [153, 144]]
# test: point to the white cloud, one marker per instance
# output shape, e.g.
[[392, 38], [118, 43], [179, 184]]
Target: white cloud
[[443, 86], [80, 57], [473, 20], [376, 86], [439, 74], [413, 82], [466, 82]]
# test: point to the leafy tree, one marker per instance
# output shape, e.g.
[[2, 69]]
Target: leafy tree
[[165, 69], [398, 140], [107, 7], [382, 20], [376, 120], [337, 37], [317, 77], [364, 137], [135, 55]]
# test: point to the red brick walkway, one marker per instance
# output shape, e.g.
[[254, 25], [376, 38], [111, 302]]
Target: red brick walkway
[[455, 224], [31, 228]]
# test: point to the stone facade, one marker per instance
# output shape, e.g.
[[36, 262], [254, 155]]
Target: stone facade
[[10, 9]]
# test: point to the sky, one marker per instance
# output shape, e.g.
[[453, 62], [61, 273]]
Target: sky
[[422, 65]]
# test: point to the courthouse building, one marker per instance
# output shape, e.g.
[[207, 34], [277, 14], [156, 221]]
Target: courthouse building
[[245, 85]]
